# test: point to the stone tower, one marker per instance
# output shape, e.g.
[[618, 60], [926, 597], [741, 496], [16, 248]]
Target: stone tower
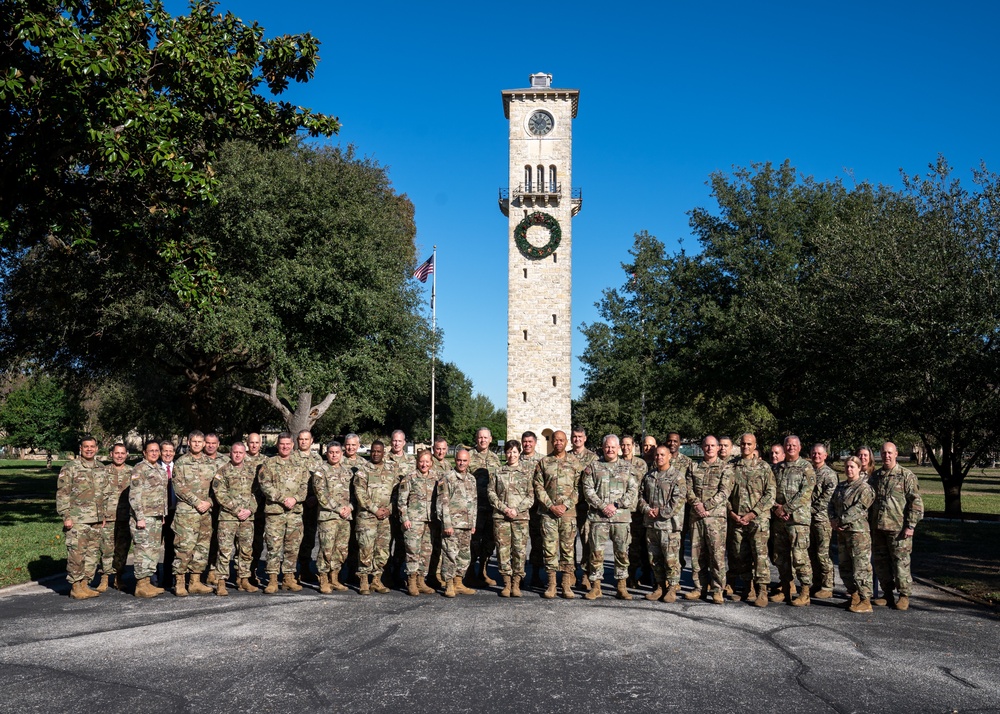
[[539, 204]]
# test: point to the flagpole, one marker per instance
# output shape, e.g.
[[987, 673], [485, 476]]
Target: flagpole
[[434, 281]]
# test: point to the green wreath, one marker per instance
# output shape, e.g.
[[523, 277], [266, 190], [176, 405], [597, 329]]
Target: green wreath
[[532, 252]]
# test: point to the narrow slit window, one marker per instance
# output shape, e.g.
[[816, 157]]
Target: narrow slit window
[[553, 381], [525, 334], [525, 273], [554, 320], [552, 179], [555, 258], [527, 179], [524, 396], [541, 178]]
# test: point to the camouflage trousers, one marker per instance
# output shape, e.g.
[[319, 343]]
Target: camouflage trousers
[[583, 531], [791, 551], [192, 541], [418, 547], [483, 543], [83, 551], [559, 543], [373, 545], [334, 542], [397, 544], [748, 551], [512, 545], [457, 553], [234, 536], [820, 533], [537, 554], [310, 527], [282, 537], [708, 552], [621, 537], [891, 559], [146, 553], [664, 555], [638, 551], [854, 550], [437, 558], [115, 542]]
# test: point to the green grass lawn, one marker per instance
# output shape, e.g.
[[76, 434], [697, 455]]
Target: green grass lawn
[[30, 528], [959, 554]]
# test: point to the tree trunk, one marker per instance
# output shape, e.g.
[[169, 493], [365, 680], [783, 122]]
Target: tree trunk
[[305, 414], [952, 471], [953, 498]]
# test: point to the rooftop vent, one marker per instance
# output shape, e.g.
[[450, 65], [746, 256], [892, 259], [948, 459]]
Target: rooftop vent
[[540, 80]]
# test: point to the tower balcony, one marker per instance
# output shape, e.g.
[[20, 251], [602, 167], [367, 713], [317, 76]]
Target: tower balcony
[[538, 195]]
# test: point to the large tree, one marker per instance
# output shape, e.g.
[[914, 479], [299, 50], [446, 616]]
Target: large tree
[[39, 414]]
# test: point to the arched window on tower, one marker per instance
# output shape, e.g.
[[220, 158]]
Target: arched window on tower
[[527, 179], [552, 180], [541, 178]]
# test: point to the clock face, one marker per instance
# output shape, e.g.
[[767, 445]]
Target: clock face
[[540, 123]]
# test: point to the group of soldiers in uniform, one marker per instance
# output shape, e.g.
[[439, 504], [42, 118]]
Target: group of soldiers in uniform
[[411, 517]]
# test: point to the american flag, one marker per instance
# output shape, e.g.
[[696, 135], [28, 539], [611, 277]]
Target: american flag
[[424, 270]]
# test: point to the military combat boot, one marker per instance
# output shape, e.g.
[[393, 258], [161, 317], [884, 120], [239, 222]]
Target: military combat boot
[[423, 587], [887, 601], [550, 588], [377, 585], [103, 585], [622, 593], [656, 594], [196, 587], [220, 587], [861, 606], [81, 591], [289, 584], [506, 586], [460, 588], [694, 594], [903, 602], [212, 579], [791, 589], [823, 593], [729, 589], [855, 599], [143, 589], [717, 597], [180, 585], [272, 584], [515, 586], [595, 590], [245, 585], [335, 580], [761, 600], [364, 589], [584, 581], [567, 586], [324, 584], [803, 598], [671, 594], [449, 588], [490, 582], [782, 593], [157, 590], [411, 585]]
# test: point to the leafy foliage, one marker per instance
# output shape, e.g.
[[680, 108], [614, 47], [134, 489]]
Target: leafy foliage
[[39, 415]]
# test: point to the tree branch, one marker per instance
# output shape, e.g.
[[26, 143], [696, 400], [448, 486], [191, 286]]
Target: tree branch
[[271, 397]]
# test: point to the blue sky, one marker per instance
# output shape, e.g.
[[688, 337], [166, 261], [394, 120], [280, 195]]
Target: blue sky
[[669, 93]]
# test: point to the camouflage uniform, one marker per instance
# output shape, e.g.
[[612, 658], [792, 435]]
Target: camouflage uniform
[[483, 465], [638, 551], [709, 485], [582, 460], [820, 532], [192, 530], [259, 516], [374, 488], [666, 491], [897, 506], [115, 536], [147, 497], [235, 489], [332, 486], [310, 508], [795, 481], [753, 491], [536, 555], [416, 492], [511, 487], [280, 479], [80, 497], [402, 465], [683, 463], [849, 505], [440, 468], [457, 508], [610, 483], [556, 483]]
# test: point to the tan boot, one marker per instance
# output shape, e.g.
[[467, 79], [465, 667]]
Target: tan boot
[[81, 591], [324, 584], [245, 586], [289, 584], [567, 586], [656, 594], [490, 582], [585, 582], [792, 592], [861, 606], [460, 588], [364, 589], [212, 579], [103, 585], [423, 587], [158, 591], [272, 584], [782, 593], [335, 580], [550, 587], [377, 585], [143, 589], [220, 587], [180, 585], [196, 587], [823, 594], [693, 595], [803, 598], [887, 601], [449, 588], [855, 599], [761, 600], [595, 590], [717, 597], [671, 594], [506, 586], [411, 585], [515, 586], [903, 602], [622, 592]]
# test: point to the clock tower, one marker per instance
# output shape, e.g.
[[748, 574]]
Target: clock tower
[[539, 204]]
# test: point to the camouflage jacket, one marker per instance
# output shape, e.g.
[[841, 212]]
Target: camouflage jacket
[[280, 479], [193, 481], [530, 461], [710, 485], [666, 491], [416, 493], [375, 488], [681, 461], [235, 488], [332, 485], [795, 481], [457, 500], [610, 483], [116, 492], [355, 463], [147, 491], [556, 483], [310, 459], [850, 503], [512, 487], [255, 462], [826, 482], [483, 465], [440, 466], [80, 492], [402, 464], [639, 468], [897, 503], [753, 488]]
